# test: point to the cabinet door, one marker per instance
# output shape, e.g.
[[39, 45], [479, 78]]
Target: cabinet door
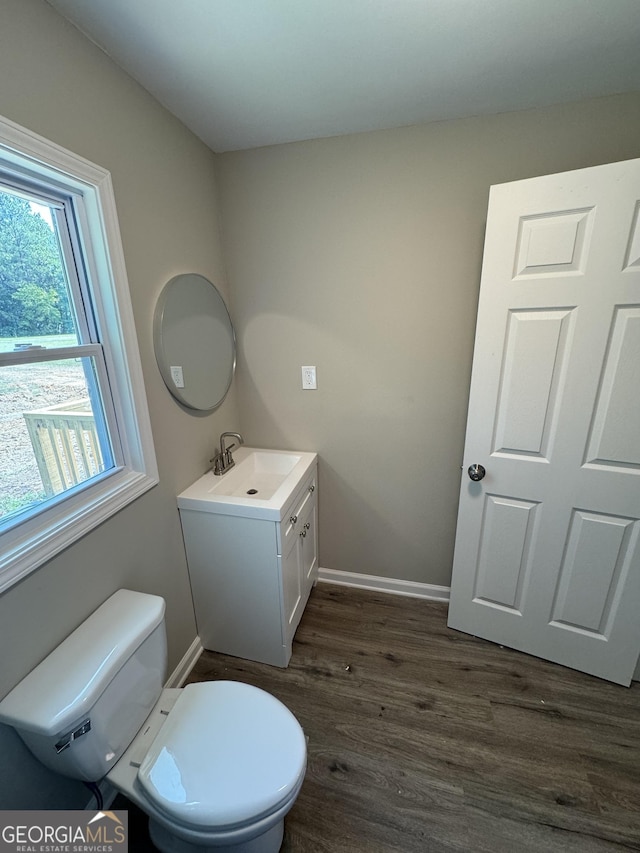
[[291, 587], [308, 546]]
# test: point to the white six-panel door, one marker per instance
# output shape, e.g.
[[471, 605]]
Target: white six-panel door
[[547, 556]]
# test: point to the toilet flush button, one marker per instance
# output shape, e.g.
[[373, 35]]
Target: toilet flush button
[[66, 741]]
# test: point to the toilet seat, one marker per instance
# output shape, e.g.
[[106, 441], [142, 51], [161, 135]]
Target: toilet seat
[[227, 755]]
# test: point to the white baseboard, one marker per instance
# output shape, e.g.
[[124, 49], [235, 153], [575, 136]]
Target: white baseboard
[[413, 589], [180, 673]]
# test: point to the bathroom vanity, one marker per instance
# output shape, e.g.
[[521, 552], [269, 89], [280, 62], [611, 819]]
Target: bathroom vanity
[[251, 537]]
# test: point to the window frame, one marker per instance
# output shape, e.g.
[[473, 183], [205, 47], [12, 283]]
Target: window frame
[[71, 515]]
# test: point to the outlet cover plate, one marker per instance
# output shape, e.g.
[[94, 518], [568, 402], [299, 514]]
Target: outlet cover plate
[[309, 381]]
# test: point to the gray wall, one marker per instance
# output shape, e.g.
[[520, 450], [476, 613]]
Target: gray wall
[[58, 84], [362, 255]]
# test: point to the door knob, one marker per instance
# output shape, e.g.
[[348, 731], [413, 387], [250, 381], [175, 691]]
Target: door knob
[[476, 472]]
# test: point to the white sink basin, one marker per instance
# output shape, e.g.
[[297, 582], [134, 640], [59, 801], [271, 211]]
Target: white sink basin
[[257, 477], [258, 486]]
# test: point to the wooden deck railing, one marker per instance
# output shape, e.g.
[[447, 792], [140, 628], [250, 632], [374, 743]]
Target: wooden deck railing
[[65, 444]]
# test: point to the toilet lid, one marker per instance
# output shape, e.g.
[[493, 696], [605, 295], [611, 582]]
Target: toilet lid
[[227, 754]]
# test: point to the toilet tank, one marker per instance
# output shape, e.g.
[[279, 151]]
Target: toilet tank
[[79, 709]]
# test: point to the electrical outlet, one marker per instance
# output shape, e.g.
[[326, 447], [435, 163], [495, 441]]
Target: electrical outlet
[[176, 375], [309, 382]]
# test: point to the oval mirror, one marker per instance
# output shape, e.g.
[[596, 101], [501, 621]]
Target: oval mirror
[[194, 342]]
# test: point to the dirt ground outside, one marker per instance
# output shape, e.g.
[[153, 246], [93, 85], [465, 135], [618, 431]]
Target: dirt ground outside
[[28, 388]]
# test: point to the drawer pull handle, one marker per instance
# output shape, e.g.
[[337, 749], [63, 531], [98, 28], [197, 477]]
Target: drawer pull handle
[[293, 519], [312, 488], [303, 533], [307, 525]]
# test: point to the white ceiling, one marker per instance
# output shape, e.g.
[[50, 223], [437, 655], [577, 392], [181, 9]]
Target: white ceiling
[[246, 73]]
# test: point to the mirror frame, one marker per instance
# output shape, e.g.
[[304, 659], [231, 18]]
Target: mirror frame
[[188, 352]]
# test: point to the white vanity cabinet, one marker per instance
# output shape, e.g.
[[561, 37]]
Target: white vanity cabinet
[[251, 576]]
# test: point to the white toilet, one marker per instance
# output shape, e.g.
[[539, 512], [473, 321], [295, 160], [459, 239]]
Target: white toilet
[[216, 765]]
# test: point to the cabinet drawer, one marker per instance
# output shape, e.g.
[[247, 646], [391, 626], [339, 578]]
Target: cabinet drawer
[[289, 526]]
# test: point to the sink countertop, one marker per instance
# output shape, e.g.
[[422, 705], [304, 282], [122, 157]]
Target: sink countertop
[[275, 474]]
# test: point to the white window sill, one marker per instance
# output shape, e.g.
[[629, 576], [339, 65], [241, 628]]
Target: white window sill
[[38, 539]]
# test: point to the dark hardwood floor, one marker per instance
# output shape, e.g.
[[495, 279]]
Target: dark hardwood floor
[[426, 739]]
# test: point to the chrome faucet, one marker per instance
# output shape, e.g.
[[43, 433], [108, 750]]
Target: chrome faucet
[[223, 460]]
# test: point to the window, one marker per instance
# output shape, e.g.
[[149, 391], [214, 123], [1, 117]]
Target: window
[[76, 436]]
